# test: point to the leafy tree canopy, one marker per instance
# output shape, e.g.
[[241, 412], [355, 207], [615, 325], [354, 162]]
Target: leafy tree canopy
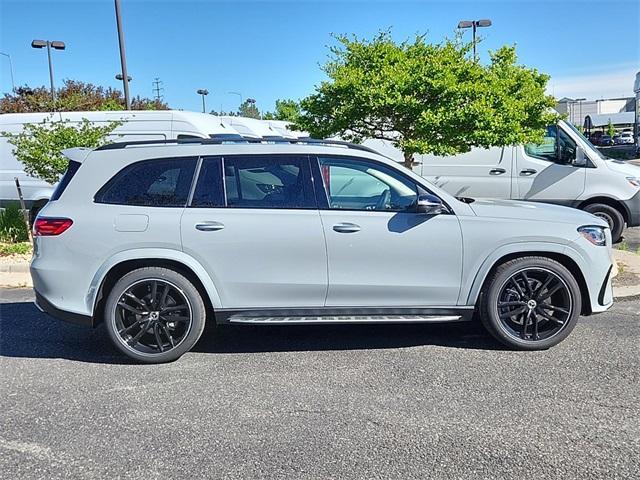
[[73, 96], [288, 110], [248, 109], [39, 145], [427, 97]]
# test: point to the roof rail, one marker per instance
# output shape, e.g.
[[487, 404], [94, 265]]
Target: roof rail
[[220, 141]]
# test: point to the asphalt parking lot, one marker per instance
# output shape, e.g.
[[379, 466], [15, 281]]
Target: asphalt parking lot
[[320, 402]]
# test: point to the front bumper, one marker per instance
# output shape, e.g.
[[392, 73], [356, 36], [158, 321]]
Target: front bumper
[[47, 307], [632, 207]]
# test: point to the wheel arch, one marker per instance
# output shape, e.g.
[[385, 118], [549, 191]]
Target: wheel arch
[[561, 257], [612, 202], [117, 267]]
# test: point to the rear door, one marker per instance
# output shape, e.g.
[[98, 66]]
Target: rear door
[[480, 173], [254, 225], [545, 172]]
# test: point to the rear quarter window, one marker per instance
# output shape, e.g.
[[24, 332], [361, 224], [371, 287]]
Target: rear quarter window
[[72, 168], [162, 182]]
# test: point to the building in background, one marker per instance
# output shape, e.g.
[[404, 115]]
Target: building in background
[[578, 110]]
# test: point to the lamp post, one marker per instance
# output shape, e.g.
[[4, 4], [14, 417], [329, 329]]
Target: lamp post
[[120, 77], [474, 24], [49, 44], [237, 93], [203, 92], [13, 85], [123, 56], [580, 100]]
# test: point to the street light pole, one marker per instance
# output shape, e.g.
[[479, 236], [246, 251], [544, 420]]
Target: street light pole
[[123, 58], [203, 92], [57, 46], [580, 100], [239, 94], [474, 25], [13, 85]]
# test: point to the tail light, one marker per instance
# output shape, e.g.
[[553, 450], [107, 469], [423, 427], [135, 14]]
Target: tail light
[[50, 227]]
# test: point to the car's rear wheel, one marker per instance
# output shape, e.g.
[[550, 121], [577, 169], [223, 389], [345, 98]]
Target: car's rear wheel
[[154, 315], [531, 303], [610, 215]]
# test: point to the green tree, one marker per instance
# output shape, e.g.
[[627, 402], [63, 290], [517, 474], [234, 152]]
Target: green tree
[[427, 97], [248, 109], [73, 96], [288, 110], [39, 145], [611, 130]]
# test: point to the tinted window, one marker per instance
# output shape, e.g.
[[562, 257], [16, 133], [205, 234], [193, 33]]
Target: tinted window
[[556, 147], [66, 178], [363, 185], [209, 191], [268, 182], [153, 183]]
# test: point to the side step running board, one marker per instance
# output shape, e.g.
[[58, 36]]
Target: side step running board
[[346, 319]]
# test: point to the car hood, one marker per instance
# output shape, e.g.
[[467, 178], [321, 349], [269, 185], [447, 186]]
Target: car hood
[[626, 168], [542, 212]]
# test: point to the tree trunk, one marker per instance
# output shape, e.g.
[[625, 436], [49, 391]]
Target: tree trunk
[[408, 160]]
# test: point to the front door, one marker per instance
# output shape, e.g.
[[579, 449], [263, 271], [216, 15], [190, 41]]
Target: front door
[[381, 253], [546, 172], [256, 230]]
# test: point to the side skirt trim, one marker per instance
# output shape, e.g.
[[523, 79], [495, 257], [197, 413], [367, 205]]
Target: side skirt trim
[[344, 315]]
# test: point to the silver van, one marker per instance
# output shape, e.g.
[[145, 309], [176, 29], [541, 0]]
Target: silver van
[[565, 169], [138, 126]]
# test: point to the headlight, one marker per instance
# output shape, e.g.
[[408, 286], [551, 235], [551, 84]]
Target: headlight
[[635, 181], [594, 234]]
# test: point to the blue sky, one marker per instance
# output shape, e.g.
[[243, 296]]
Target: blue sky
[[272, 49]]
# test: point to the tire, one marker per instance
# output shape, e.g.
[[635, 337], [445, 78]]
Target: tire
[[610, 215], [530, 330], [154, 324]]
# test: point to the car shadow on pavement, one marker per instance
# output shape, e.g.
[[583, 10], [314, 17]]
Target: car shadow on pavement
[[26, 332]]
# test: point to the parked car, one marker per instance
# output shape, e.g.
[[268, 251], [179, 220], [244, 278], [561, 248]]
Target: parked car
[[624, 138], [154, 240], [606, 141], [565, 169], [138, 125]]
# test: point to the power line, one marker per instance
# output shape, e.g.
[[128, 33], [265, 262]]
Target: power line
[[157, 88]]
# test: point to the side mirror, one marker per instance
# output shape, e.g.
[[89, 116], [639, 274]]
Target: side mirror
[[581, 159], [430, 205]]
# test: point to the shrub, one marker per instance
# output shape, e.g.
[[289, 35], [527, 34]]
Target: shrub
[[13, 228], [7, 249]]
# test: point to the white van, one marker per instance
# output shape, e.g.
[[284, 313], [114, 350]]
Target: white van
[[565, 169], [138, 125]]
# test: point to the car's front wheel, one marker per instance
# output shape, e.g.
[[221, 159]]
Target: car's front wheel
[[154, 315], [530, 303]]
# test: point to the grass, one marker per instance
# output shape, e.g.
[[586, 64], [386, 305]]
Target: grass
[[623, 246], [22, 248]]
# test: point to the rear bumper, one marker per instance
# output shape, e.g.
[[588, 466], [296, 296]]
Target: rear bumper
[[47, 307]]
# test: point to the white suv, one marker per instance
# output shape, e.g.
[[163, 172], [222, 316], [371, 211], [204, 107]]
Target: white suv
[[153, 239]]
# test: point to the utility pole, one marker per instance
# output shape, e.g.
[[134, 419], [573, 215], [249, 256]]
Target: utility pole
[[123, 58], [157, 88]]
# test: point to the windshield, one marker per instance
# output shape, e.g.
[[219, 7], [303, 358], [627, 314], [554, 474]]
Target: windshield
[[585, 140]]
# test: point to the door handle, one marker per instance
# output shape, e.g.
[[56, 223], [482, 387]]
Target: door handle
[[209, 226], [497, 171], [346, 227], [528, 171]]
